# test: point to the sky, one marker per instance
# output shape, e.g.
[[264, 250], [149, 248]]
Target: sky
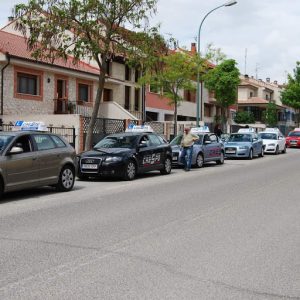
[[263, 36]]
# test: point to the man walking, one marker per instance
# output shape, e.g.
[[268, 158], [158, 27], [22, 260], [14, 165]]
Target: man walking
[[187, 143]]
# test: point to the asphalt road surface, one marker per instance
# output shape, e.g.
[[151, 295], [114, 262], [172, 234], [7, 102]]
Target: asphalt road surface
[[220, 232]]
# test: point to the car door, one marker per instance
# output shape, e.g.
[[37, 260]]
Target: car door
[[49, 158], [207, 148], [215, 149], [144, 153], [22, 169], [281, 142], [256, 144], [158, 151]]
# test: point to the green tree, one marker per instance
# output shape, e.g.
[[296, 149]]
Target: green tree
[[173, 74], [84, 29], [223, 80], [244, 117], [290, 96], [270, 115]]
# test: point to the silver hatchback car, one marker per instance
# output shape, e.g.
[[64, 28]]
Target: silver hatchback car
[[207, 148], [29, 159]]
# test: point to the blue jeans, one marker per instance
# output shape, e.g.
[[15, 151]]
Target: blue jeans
[[186, 157]]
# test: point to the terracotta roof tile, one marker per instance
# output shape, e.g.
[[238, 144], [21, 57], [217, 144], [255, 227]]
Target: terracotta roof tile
[[16, 46]]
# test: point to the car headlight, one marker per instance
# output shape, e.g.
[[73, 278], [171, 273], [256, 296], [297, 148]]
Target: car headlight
[[243, 147], [113, 159]]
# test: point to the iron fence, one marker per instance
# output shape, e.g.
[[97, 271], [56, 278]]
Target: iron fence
[[67, 133]]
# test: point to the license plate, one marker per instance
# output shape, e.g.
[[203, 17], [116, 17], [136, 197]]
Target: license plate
[[89, 166], [175, 158], [230, 151]]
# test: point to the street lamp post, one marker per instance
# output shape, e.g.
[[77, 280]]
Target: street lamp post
[[199, 105]]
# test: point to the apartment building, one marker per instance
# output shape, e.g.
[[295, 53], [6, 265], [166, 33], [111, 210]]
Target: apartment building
[[254, 96]]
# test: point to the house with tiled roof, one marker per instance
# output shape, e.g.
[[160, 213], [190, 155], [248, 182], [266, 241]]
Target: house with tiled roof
[[255, 94], [58, 92]]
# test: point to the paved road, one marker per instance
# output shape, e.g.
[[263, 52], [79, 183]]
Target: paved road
[[221, 232]]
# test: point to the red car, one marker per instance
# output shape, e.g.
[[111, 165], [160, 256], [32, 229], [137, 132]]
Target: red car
[[293, 138]]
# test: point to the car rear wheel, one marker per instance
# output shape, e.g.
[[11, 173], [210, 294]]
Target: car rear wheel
[[130, 171], [284, 149], [250, 154], [199, 161], [221, 160], [66, 179], [277, 150], [167, 167]]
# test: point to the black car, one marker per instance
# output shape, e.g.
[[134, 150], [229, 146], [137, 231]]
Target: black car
[[125, 155]]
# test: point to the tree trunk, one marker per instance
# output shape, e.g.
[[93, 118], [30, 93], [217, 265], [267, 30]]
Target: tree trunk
[[175, 119], [89, 136]]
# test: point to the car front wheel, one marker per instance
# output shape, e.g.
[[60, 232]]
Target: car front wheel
[[167, 167], [130, 171], [277, 150], [199, 161], [250, 154], [66, 179], [262, 152]]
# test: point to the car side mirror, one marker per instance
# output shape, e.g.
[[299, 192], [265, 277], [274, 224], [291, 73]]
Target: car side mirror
[[16, 150]]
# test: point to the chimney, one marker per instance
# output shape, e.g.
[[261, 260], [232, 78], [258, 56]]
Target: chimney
[[246, 76], [193, 48], [275, 81], [268, 79], [10, 19]]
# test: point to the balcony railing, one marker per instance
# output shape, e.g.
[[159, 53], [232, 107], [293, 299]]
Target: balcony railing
[[65, 106]]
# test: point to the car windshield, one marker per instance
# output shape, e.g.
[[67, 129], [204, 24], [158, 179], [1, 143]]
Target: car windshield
[[117, 142], [295, 133], [239, 137], [268, 136], [4, 141]]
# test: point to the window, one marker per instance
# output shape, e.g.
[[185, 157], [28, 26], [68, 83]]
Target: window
[[84, 91], [58, 142], [44, 142], [107, 95], [127, 73], [24, 142], [213, 138], [154, 140], [127, 97], [136, 75], [28, 84], [251, 94], [137, 99]]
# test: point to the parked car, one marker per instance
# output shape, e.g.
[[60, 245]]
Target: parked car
[[293, 138], [207, 148], [30, 159], [244, 144], [273, 140], [125, 155]]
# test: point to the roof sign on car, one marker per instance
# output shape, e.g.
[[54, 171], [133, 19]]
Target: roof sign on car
[[30, 126], [200, 129], [271, 130], [297, 129], [246, 130], [139, 128]]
